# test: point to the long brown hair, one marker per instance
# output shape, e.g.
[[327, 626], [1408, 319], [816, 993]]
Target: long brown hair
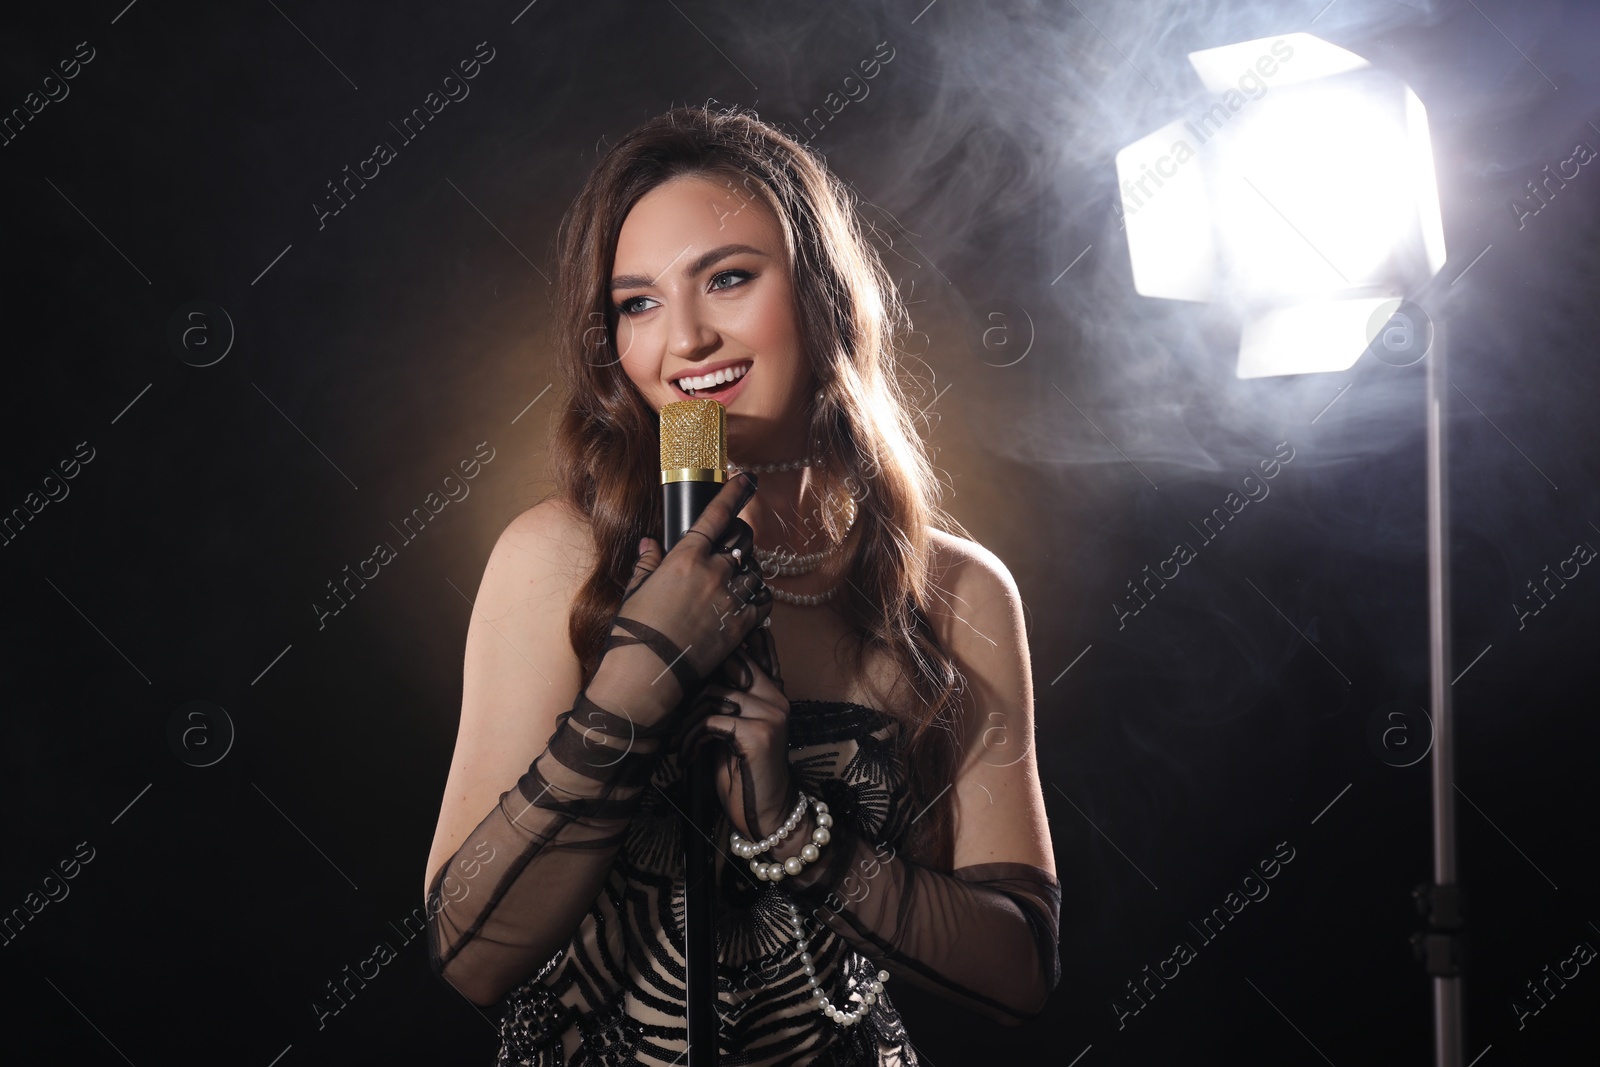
[[605, 444]]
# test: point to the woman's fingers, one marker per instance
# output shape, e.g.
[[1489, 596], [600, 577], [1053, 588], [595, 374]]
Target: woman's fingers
[[712, 728], [744, 672], [755, 697], [762, 649], [753, 740], [762, 685], [722, 512], [751, 726], [721, 703], [750, 719], [762, 700], [751, 765]]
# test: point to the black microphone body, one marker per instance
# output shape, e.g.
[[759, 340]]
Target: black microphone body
[[682, 503]]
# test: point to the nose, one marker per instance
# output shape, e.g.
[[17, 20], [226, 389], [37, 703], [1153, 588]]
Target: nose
[[688, 332]]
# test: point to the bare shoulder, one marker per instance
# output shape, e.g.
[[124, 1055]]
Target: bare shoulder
[[538, 562], [971, 580], [543, 555], [950, 549], [978, 615]]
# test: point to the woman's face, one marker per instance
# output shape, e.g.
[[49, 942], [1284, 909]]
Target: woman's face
[[701, 284]]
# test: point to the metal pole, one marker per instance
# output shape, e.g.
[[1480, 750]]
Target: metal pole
[[700, 916], [683, 501], [1448, 1016]]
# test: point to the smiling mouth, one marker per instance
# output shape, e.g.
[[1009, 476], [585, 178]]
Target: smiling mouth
[[715, 385]]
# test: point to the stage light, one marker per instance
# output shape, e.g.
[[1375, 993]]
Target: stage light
[[1304, 198]]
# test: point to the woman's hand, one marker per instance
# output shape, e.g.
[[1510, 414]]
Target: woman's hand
[[743, 716], [683, 613]]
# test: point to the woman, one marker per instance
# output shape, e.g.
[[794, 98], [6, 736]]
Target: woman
[[881, 811]]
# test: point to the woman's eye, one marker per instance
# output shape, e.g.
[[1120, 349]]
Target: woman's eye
[[727, 279], [733, 277]]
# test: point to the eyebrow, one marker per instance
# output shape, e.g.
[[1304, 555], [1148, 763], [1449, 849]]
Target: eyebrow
[[640, 281]]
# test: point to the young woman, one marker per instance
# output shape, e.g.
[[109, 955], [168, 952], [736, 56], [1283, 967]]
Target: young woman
[[882, 817]]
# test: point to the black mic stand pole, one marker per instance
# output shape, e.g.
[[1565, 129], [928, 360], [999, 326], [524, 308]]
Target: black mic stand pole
[[684, 502]]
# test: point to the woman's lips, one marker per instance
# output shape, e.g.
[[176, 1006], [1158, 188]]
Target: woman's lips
[[723, 394]]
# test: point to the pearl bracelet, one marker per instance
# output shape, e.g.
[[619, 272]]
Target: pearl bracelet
[[746, 849], [774, 872]]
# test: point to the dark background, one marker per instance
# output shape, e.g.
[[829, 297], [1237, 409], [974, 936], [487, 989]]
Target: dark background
[[1244, 708]]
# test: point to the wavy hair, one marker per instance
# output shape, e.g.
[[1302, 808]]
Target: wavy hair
[[605, 443]]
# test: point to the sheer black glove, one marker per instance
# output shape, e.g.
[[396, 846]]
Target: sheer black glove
[[517, 888]]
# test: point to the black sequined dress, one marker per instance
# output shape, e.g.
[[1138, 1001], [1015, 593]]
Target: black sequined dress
[[615, 994]]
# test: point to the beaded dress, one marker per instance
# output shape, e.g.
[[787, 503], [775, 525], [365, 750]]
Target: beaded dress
[[567, 902], [615, 994]]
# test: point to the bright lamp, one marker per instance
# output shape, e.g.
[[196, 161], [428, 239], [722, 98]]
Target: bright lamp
[[1304, 197]]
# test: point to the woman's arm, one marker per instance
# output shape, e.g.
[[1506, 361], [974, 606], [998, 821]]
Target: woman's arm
[[562, 785], [984, 935], [510, 899], [519, 676]]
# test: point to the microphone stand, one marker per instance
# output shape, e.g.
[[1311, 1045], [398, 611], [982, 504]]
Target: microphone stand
[[700, 915], [684, 502]]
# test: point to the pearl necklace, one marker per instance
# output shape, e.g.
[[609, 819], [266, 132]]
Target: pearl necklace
[[788, 565], [775, 872], [820, 999], [804, 600], [773, 468], [801, 564]]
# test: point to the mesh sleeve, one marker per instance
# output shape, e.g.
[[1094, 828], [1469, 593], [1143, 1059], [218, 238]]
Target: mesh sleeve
[[516, 890], [984, 936], [512, 895]]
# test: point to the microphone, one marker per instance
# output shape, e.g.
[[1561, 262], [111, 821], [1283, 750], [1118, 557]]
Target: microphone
[[694, 466], [694, 462]]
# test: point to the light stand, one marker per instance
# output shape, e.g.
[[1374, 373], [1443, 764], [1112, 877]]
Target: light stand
[[1305, 197], [1440, 948]]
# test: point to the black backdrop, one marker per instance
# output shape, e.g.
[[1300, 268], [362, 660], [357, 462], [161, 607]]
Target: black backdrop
[[250, 392]]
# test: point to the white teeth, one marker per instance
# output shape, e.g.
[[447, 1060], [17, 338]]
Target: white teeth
[[715, 378]]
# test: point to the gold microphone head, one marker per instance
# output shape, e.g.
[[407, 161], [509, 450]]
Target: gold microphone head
[[694, 441]]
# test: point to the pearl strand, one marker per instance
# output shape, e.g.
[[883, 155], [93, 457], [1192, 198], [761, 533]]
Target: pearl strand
[[820, 999], [773, 468], [804, 600], [774, 872], [746, 849], [806, 564]]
